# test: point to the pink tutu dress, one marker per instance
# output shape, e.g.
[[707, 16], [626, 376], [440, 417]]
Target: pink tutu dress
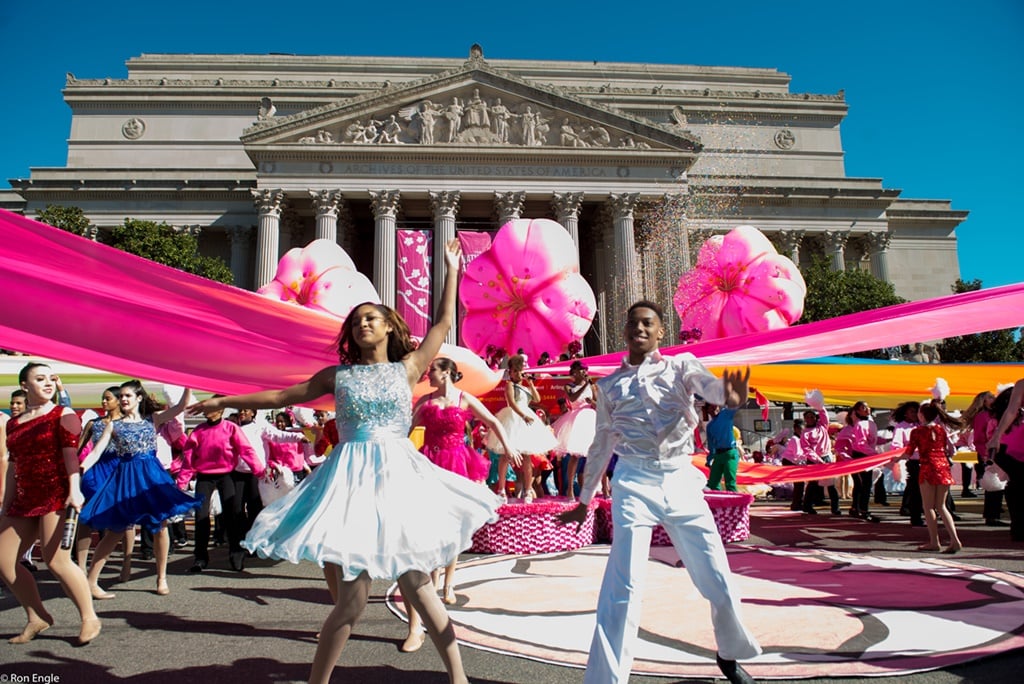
[[444, 441]]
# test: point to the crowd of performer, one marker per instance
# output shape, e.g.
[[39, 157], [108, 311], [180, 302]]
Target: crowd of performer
[[311, 490]]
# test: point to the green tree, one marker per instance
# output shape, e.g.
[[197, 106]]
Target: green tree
[[71, 219], [993, 347], [161, 243], [837, 293]]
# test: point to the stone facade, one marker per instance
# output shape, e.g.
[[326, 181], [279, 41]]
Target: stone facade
[[640, 162]]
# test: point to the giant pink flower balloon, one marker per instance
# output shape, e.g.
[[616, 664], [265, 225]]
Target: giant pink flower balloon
[[526, 291], [322, 277], [739, 285]]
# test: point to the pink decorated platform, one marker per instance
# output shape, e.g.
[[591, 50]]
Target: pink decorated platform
[[533, 528]]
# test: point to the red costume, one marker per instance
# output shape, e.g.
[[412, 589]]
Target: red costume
[[931, 443], [37, 456]]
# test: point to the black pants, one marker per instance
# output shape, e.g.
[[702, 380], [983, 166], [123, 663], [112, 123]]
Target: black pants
[[861, 488], [912, 494], [881, 496], [247, 501], [206, 484], [1014, 493]]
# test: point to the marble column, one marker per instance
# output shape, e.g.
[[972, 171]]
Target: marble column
[[445, 206], [836, 242], [327, 204], [269, 205], [240, 238], [567, 212], [385, 204], [878, 249], [627, 271], [789, 242], [508, 206]]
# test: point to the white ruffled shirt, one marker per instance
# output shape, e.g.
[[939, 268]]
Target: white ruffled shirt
[[647, 411]]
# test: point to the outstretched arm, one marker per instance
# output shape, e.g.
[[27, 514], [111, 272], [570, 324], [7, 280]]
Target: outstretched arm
[[417, 361], [161, 417], [488, 419], [318, 385]]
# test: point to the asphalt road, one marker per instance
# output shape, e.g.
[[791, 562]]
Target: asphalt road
[[259, 625]]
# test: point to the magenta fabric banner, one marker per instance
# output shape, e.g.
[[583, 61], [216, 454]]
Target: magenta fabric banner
[[997, 308], [473, 243], [414, 301], [71, 299]]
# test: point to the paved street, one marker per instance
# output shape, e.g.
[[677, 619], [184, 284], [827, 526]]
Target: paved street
[[259, 625]]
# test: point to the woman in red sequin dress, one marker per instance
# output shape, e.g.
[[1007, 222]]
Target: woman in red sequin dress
[[932, 442], [42, 481], [444, 415]]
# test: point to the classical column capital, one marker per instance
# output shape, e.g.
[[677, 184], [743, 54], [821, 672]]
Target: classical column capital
[[444, 204], [623, 204], [509, 205], [567, 204], [327, 202], [789, 240], [878, 241], [385, 203], [268, 202], [836, 239]]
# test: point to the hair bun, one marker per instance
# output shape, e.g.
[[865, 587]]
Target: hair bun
[[456, 376]]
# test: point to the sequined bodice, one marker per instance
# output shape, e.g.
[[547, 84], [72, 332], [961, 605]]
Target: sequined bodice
[[372, 402], [132, 439], [444, 428]]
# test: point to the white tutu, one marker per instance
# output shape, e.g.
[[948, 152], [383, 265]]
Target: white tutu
[[526, 438], [575, 430]]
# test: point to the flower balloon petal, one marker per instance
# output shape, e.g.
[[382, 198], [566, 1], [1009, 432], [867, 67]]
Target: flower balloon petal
[[322, 277], [740, 285], [526, 291], [477, 377]]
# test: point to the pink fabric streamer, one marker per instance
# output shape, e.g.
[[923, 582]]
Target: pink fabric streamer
[[967, 313], [414, 301], [71, 299], [761, 473]]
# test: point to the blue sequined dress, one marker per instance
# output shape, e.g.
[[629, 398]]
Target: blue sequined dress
[[376, 504], [95, 476], [137, 490]]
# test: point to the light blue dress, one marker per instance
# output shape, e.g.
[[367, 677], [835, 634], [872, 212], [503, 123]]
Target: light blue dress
[[376, 505]]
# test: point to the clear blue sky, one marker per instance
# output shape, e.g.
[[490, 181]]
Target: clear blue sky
[[934, 87]]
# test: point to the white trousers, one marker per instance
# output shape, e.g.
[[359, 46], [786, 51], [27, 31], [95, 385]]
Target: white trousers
[[642, 499]]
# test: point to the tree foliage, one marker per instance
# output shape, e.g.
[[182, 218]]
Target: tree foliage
[[157, 242], [71, 219], [995, 346], [837, 293]]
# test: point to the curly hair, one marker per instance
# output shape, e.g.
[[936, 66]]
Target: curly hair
[[400, 341]]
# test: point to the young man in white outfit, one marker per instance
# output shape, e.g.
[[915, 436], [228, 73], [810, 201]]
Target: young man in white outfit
[[646, 415]]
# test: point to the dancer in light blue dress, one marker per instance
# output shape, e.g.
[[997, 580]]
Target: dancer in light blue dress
[[377, 508]]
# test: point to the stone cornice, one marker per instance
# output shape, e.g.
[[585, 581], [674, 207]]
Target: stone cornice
[[474, 71]]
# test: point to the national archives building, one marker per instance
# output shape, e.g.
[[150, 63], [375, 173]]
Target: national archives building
[[639, 162]]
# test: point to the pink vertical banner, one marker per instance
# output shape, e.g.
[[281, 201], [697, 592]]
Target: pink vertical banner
[[473, 243], [413, 302]]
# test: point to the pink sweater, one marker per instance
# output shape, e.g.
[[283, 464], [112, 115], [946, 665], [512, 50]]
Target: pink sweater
[[215, 448], [815, 442]]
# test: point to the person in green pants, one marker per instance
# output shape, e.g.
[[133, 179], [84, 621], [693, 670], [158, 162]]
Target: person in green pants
[[725, 457]]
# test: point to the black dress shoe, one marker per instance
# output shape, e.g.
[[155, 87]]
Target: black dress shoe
[[237, 560], [968, 494], [197, 567], [956, 517], [996, 523], [810, 511], [917, 523], [733, 671]]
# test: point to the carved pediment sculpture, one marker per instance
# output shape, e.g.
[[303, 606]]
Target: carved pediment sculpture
[[475, 119]]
